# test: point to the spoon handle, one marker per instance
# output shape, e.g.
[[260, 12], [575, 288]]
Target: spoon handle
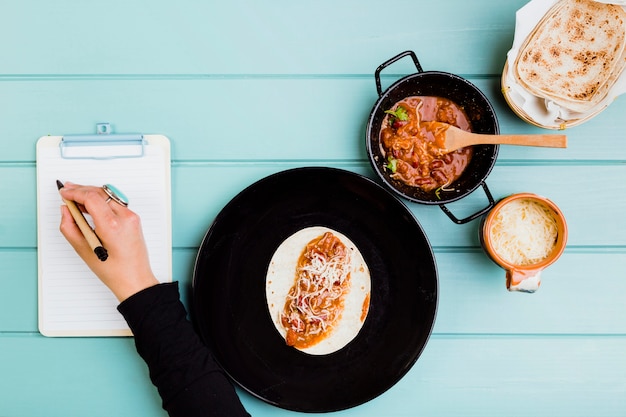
[[550, 141]]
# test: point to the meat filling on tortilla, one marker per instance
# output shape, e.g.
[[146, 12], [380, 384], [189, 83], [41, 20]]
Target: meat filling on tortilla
[[315, 301]]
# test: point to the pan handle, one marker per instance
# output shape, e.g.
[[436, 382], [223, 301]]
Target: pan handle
[[391, 61], [475, 215]]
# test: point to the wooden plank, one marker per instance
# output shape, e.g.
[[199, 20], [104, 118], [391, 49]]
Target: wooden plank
[[580, 294], [311, 119], [18, 294], [469, 375], [574, 297], [18, 276], [240, 37], [66, 377], [587, 210], [584, 216]]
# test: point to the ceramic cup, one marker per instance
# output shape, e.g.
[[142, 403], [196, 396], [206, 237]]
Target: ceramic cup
[[525, 278]]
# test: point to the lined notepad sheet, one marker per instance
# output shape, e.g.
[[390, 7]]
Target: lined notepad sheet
[[72, 300]]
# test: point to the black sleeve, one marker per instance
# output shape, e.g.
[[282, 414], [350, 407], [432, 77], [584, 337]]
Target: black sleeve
[[188, 378]]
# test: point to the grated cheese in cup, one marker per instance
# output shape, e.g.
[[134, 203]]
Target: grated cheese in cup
[[523, 232]]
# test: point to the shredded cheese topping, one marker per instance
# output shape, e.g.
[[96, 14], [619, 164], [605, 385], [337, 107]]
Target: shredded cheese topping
[[313, 302], [523, 232]]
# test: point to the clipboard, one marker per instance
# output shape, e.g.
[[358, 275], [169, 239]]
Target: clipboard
[[72, 301]]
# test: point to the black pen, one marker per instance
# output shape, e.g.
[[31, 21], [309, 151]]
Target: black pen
[[84, 227]]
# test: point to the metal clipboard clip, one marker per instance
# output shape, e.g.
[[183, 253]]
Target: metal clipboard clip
[[102, 145]]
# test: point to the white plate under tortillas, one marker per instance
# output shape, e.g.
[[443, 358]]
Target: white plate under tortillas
[[567, 61], [281, 275]]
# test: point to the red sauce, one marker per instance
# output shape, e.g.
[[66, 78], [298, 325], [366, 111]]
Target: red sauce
[[411, 148], [365, 307]]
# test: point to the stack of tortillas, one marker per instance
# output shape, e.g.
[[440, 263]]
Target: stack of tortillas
[[569, 63]]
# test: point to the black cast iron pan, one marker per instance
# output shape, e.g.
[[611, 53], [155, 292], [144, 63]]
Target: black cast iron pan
[[478, 109]]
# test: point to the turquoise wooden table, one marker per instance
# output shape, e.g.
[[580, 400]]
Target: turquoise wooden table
[[247, 89]]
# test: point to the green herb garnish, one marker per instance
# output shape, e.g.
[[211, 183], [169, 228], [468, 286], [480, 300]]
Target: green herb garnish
[[392, 164], [399, 113]]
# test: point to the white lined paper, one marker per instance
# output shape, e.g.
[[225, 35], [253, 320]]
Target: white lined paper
[[72, 300]]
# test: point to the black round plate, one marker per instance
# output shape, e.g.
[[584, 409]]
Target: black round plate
[[229, 301]]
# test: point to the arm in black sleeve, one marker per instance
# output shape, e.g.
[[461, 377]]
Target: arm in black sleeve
[[188, 378]]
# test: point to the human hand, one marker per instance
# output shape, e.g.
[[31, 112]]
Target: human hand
[[127, 268]]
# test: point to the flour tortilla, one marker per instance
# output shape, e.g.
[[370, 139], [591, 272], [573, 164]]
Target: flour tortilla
[[575, 54], [281, 276]]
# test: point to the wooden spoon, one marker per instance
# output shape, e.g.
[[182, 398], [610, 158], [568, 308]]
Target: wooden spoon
[[450, 138]]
